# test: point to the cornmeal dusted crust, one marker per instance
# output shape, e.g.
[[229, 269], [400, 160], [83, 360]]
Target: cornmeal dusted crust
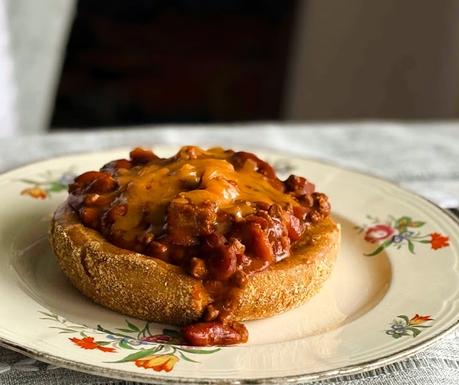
[[150, 289]]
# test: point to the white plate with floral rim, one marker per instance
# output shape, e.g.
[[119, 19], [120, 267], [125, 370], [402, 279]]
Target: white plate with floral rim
[[394, 289]]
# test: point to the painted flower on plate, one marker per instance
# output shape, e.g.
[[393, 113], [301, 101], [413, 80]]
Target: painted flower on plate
[[399, 233], [438, 241], [403, 326], [419, 319], [45, 185], [89, 343], [157, 362], [35, 192], [378, 232]]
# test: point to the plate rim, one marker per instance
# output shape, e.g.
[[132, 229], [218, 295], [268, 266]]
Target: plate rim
[[294, 379]]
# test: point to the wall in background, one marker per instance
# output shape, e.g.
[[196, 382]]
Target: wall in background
[[374, 59]]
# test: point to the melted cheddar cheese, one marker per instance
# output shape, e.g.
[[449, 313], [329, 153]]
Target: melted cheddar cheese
[[195, 176]]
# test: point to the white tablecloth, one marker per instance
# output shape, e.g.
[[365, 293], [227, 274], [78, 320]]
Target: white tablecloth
[[422, 157]]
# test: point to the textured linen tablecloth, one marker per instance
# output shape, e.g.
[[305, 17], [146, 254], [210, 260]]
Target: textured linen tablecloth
[[421, 157]]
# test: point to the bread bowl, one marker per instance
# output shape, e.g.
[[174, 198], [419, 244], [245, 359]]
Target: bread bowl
[[240, 244]]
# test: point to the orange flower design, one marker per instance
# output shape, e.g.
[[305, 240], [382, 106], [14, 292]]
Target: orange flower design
[[157, 362], [420, 319], [88, 343], [438, 241], [35, 192]]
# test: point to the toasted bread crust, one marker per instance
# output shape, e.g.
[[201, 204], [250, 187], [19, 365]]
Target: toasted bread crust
[[150, 289]]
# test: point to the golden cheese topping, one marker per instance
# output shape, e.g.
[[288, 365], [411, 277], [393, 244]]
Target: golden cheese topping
[[209, 177]]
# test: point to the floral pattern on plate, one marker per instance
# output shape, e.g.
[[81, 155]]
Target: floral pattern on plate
[[399, 232], [46, 184], [159, 352], [402, 325]]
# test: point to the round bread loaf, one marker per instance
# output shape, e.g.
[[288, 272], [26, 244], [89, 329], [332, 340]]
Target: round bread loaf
[[151, 289]]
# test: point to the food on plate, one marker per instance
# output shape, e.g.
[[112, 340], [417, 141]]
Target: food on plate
[[204, 239]]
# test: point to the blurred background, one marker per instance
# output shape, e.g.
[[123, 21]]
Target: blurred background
[[86, 64]]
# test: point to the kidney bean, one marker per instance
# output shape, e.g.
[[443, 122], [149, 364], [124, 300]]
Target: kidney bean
[[300, 212], [157, 250], [104, 183], [294, 227], [222, 263], [215, 333], [261, 247], [299, 185], [116, 165], [89, 216], [141, 155], [88, 177], [116, 211]]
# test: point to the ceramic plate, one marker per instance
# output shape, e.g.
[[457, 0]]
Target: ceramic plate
[[394, 290]]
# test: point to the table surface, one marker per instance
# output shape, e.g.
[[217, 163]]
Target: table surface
[[419, 156]]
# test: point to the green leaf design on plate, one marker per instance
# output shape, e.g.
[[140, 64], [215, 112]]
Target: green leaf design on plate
[[411, 247], [405, 318], [125, 345], [186, 358], [139, 354], [56, 187], [402, 222], [28, 181], [380, 248], [415, 331], [132, 326], [417, 224]]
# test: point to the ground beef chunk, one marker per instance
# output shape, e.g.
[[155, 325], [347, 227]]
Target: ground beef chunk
[[186, 221], [222, 255], [298, 185], [320, 208]]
